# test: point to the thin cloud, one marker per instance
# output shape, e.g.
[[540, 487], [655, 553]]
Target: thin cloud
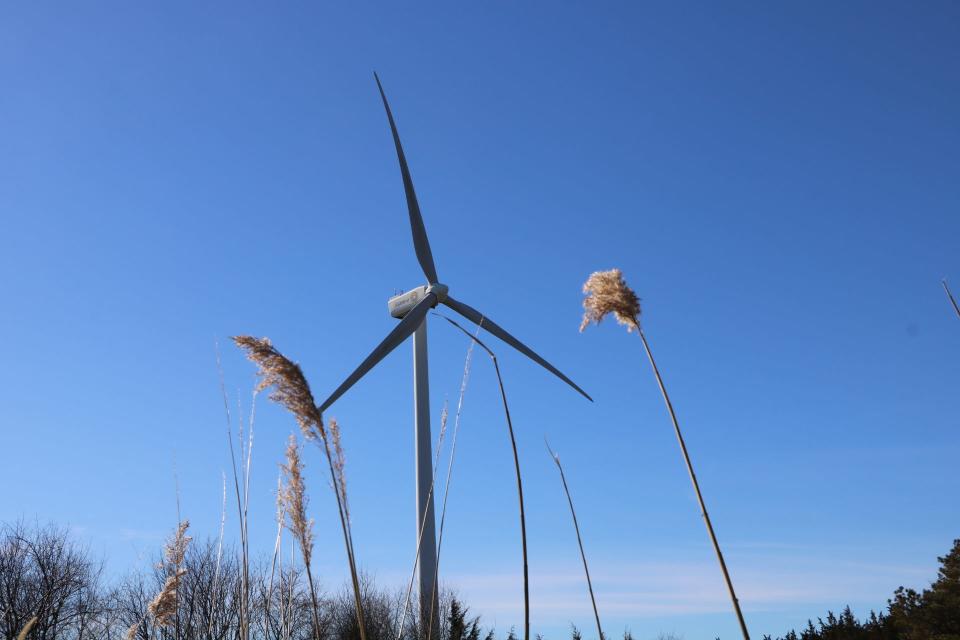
[[130, 534], [684, 588]]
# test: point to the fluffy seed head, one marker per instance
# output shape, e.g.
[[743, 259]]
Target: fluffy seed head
[[444, 414], [176, 547], [295, 499], [290, 387], [132, 631], [163, 608], [339, 463], [608, 293]]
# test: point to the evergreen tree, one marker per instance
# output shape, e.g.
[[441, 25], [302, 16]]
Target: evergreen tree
[[935, 612], [931, 614]]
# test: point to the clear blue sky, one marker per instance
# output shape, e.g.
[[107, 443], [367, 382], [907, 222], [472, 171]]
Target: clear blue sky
[[780, 184]]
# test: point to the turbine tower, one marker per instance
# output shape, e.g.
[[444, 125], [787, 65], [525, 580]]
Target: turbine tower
[[412, 308]]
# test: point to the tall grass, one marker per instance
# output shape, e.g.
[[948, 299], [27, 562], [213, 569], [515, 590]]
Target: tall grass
[[291, 389], [446, 488], [241, 502], [422, 526], [276, 560], [216, 571], [607, 293], [446, 492], [576, 526], [294, 495]]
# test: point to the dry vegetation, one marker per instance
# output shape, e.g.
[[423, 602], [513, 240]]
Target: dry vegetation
[[608, 293]]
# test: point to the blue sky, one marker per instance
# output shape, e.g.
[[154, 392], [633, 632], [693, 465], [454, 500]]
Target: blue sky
[[780, 184]]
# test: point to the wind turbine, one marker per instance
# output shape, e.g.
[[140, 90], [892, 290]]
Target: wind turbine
[[412, 308]]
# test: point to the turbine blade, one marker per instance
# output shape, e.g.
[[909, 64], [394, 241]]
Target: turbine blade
[[401, 332], [478, 318], [420, 243]]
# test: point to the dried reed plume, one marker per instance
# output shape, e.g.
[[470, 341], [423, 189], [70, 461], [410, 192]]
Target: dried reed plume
[[607, 293], [576, 526], [950, 295], [516, 466], [294, 496], [290, 388], [26, 628], [295, 499], [163, 608], [176, 547], [131, 633], [339, 466]]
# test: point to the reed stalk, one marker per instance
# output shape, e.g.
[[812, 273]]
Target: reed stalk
[[446, 488], [576, 526], [247, 464], [607, 293], [347, 540], [422, 526], [277, 555], [950, 295], [292, 390], [216, 571], [244, 613], [516, 466]]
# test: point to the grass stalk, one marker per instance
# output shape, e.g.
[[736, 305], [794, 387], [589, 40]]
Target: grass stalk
[[247, 464], [608, 294], [446, 488], [422, 526], [340, 490], [292, 390], [216, 571], [277, 559], [244, 635], [516, 465], [176, 592], [696, 485], [576, 526]]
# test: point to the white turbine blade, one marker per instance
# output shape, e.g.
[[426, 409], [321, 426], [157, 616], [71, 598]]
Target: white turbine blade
[[476, 317], [420, 243], [400, 333]]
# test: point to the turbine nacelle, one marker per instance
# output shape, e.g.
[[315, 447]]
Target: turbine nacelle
[[401, 305]]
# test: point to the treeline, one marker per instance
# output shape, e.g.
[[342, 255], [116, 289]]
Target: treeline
[[47, 578], [51, 581], [931, 614]]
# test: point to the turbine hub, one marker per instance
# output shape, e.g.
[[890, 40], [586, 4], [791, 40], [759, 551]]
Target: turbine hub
[[439, 290]]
